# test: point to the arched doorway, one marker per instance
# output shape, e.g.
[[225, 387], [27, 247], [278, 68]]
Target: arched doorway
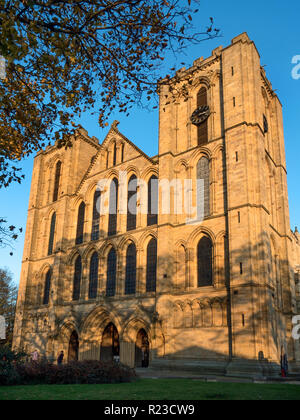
[[142, 349], [110, 346], [73, 347]]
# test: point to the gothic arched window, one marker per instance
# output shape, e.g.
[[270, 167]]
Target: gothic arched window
[[132, 203], [151, 266], [130, 279], [205, 262], [115, 154], [152, 218], [111, 273], [122, 152], [203, 127], [203, 193], [57, 181], [47, 288], [107, 158], [80, 224], [113, 207], [96, 215], [93, 286], [52, 233], [181, 268], [266, 124], [77, 279]]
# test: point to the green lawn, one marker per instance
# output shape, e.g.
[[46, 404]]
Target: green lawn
[[151, 389]]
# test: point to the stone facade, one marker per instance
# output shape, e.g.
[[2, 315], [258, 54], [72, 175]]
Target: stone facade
[[239, 324]]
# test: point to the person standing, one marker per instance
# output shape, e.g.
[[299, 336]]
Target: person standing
[[60, 358], [145, 357], [35, 356], [284, 364]]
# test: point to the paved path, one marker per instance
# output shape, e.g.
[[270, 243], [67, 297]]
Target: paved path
[[166, 374]]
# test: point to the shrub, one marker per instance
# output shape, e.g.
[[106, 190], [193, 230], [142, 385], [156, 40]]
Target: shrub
[[8, 361], [87, 372], [10, 355], [33, 373], [90, 372], [8, 374]]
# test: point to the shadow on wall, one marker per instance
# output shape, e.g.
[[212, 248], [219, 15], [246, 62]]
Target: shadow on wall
[[181, 326]]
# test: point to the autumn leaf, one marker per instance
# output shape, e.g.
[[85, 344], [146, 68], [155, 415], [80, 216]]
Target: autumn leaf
[[67, 57]]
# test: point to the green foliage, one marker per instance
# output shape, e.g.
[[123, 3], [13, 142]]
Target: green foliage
[[10, 355], [65, 57], [8, 374], [8, 362]]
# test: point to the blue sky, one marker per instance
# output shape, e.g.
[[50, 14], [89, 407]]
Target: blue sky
[[274, 26]]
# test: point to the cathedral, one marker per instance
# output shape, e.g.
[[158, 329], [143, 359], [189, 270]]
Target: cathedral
[[133, 270]]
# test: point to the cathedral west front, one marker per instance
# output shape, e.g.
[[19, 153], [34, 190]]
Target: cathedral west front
[[149, 270]]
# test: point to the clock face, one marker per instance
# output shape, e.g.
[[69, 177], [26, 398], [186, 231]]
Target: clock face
[[200, 115]]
